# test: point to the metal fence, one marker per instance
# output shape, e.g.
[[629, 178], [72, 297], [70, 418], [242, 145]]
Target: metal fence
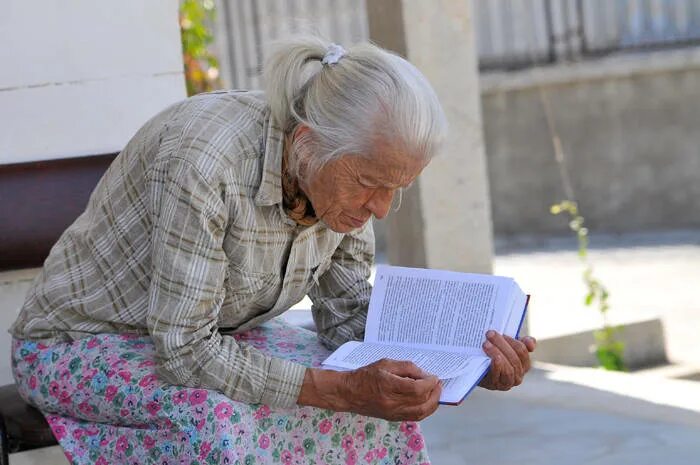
[[509, 33], [517, 33], [245, 29]]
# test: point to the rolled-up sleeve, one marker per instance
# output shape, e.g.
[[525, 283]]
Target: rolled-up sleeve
[[341, 297], [189, 267]]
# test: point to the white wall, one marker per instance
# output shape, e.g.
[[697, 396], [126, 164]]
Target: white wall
[[79, 77]]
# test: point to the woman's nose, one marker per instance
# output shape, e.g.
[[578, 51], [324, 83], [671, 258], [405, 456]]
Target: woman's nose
[[380, 203]]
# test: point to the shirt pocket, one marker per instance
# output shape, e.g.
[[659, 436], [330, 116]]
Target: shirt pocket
[[248, 293]]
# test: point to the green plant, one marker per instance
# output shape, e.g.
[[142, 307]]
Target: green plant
[[609, 349], [201, 66]]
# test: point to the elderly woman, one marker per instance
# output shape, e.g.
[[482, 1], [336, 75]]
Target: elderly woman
[[148, 336]]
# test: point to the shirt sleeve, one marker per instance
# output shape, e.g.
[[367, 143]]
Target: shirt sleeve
[[341, 297], [186, 291]]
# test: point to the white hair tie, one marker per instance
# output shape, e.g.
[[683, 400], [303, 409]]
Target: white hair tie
[[334, 53]]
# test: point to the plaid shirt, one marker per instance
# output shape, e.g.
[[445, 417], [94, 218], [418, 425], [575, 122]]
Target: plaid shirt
[[184, 238]]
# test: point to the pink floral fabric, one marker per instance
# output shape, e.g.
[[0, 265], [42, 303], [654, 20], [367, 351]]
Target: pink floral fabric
[[105, 405]]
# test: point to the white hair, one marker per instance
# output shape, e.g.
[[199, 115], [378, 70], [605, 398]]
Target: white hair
[[369, 94]]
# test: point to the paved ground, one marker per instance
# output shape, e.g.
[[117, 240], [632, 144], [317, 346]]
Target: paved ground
[[554, 418]]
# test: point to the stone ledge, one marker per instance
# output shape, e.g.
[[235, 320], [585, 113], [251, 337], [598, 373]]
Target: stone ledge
[[615, 66], [644, 346]]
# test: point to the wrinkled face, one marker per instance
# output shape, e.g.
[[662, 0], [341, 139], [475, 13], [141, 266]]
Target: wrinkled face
[[346, 192]]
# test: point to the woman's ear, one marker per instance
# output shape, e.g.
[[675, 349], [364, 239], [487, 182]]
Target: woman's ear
[[301, 131], [301, 139]]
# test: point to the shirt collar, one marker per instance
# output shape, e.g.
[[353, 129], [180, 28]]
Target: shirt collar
[[272, 141]]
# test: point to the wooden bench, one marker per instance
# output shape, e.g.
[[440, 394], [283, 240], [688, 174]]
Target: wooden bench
[[22, 426], [40, 199]]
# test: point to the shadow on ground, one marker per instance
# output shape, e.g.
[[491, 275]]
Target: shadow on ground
[[545, 422]]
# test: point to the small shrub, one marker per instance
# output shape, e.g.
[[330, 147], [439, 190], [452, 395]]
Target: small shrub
[[609, 350]]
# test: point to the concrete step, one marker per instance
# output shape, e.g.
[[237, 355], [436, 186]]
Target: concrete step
[[644, 346], [682, 371]]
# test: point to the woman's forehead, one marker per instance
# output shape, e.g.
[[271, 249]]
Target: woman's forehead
[[391, 168]]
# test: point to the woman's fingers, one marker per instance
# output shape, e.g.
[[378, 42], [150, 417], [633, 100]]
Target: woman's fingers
[[514, 370], [521, 350], [530, 342], [510, 360], [405, 382], [412, 391], [423, 410], [497, 377], [405, 379], [507, 375], [377, 390], [402, 368]]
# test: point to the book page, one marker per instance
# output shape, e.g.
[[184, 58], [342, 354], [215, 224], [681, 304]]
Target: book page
[[445, 365], [455, 389], [436, 309], [515, 319]]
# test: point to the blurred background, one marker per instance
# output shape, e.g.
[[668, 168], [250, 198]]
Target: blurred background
[[590, 100], [575, 156]]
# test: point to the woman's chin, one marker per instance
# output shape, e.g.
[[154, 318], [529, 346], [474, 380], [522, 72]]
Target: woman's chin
[[340, 227]]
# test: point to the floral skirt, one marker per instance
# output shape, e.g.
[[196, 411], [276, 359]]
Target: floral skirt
[[105, 405]]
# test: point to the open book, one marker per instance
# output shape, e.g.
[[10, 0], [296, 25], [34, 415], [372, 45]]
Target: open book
[[438, 320]]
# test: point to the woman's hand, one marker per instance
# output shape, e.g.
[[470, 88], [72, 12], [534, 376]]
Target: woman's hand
[[510, 360], [388, 389]]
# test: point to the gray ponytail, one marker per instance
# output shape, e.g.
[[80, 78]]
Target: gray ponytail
[[369, 93]]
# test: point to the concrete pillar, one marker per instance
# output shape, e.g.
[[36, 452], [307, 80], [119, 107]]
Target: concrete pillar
[[445, 219]]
